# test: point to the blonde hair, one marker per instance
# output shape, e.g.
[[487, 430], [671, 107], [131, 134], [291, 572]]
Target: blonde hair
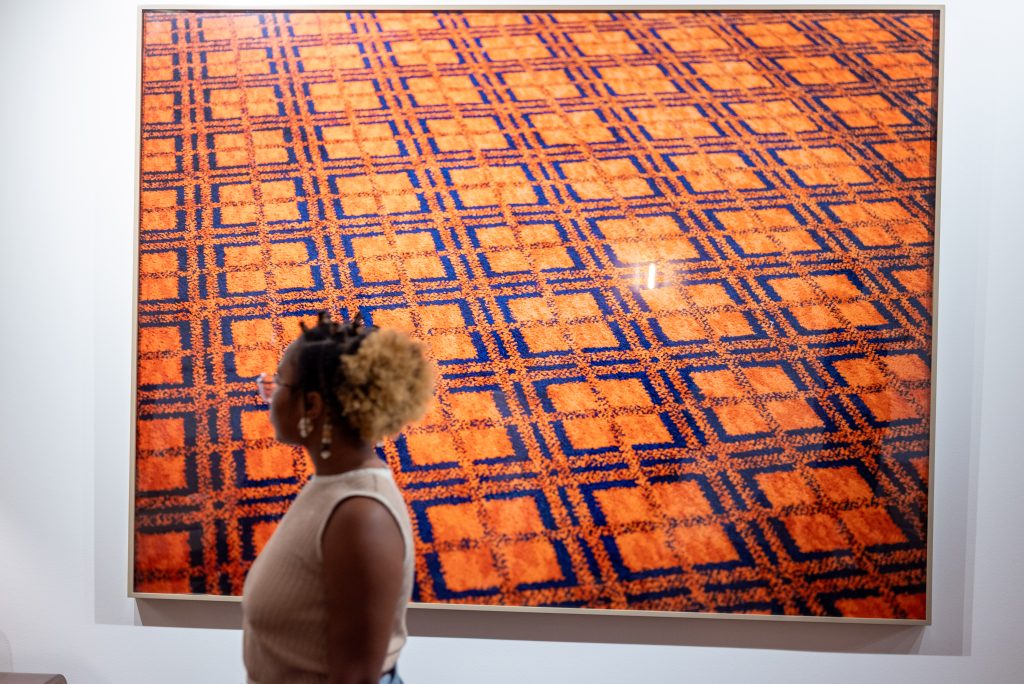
[[386, 384]]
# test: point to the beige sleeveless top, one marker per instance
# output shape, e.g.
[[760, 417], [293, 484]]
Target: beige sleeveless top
[[284, 612]]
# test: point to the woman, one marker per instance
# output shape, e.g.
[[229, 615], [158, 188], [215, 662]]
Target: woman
[[325, 601]]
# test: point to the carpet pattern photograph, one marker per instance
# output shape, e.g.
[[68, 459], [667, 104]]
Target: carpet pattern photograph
[[675, 271]]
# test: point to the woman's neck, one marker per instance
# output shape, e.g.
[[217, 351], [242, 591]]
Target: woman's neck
[[347, 453]]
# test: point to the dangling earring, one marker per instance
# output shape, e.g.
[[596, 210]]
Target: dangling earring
[[325, 441], [305, 427]]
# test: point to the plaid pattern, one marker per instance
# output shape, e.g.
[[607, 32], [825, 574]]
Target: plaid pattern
[[675, 269]]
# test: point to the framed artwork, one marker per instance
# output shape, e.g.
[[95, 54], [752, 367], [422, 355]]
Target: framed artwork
[[675, 269]]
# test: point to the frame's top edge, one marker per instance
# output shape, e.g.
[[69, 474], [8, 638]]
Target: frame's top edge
[[542, 7]]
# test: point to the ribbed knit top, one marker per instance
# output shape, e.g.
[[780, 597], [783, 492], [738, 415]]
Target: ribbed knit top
[[283, 604]]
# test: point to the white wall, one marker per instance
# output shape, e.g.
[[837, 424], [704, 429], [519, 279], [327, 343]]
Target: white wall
[[67, 99]]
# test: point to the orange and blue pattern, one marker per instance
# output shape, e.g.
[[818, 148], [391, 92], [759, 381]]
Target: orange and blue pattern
[[675, 269]]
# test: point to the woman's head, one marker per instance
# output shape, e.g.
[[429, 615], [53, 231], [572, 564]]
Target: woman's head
[[365, 381]]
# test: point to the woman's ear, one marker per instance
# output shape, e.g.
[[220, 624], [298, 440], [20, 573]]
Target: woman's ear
[[313, 405]]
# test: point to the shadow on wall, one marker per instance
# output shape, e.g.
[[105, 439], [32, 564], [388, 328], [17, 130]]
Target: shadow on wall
[[786, 635], [6, 659]]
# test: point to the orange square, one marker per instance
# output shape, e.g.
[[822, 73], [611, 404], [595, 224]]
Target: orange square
[[393, 203], [252, 332], [872, 526], [695, 39], [167, 551], [250, 362], [814, 317], [915, 280], [530, 309], [156, 473], [472, 406], [488, 442], [479, 197], [289, 253], [758, 218], [242, 257], [414, 242], [160, 371], [681, 500], [709, 294], [643, 429], [500, 236], [428, 448], [913, 605], [158, 108], [741, 419], [549, 258], [574, 306], [785, 488], [514, 516], [237, 214], [629, 392], [889, 405], [238, 282], [718, 383], [589, 433], [605, 43], [681, 328], [768, 379], [865, 607], [592, 335], [701, 545], [645, 551], [277, 191], [532, 561], [544, 338], [158, 434], [861, 314], [256, 425], [159, 339], [816, 70], [358, 205], [624, 506], [261, 533], [377, 270], [374, 246], [465, 570], [508, 261], [572, 397], [424, 266], [755, 243], [435, 316], [293, 277], [842, 483], [795, 289], [860, 372], [729, 324], [236, 157], [451, 345], [794, 414], [399, 319], [159, 199], [797, 241], [773, 35], [274, 463], [159, 162], [455, 522], [235, 194], [816, 532], [908, 367]]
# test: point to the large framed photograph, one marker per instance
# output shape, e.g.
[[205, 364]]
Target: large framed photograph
[[675, 269]]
